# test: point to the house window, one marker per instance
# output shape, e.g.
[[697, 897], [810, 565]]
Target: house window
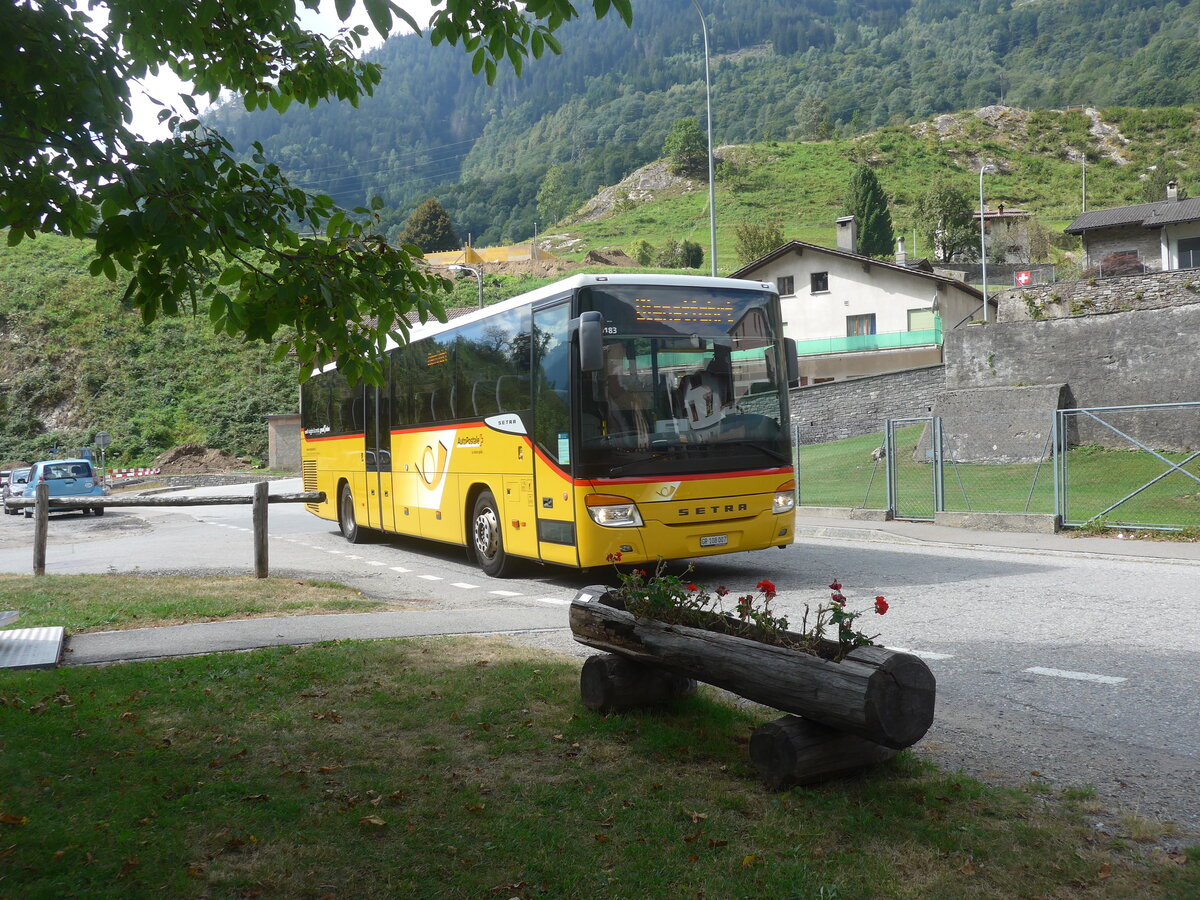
[[786, 285], [1189, 253], [857, 325], [921, 320], [819, 282]]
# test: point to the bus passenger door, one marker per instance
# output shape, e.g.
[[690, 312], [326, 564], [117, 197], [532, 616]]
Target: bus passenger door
[[378, 459], [554, 497]]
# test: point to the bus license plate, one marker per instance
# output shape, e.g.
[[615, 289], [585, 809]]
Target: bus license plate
[[714, 540]]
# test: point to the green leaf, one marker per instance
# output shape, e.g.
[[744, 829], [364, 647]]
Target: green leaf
[[231, 275], [380, 12], [343, 8]]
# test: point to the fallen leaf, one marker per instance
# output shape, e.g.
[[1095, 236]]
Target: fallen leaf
[[256, 798], [714, 844], [6, 819], [481, 663], [1105, 872], [602, 838], [697, 817], [372, 820], [967, 868], [478, 807], [750, 860]]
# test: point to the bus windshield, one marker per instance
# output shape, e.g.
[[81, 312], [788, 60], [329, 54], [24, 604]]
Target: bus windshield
[[692, 383]]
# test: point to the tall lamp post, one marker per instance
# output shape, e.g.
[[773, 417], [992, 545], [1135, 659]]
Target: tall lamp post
[[478, 278], [712, 209], [982, 240]]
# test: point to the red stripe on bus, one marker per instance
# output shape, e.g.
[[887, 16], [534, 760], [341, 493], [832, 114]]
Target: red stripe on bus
[[748, 473]]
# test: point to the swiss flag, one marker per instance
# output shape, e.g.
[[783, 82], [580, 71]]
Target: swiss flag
[[1024, 278]]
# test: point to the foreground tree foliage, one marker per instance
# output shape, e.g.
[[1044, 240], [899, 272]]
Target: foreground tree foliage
[[182, 219]]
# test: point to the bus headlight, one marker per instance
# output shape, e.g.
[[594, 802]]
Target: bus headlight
[[785, 498], [613, 512]]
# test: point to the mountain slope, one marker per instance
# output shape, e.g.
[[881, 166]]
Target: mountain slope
[[604, 107]]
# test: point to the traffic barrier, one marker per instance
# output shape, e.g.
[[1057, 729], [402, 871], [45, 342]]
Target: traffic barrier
[[131, 473]]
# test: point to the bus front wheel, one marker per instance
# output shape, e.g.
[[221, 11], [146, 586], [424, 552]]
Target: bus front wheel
[[346, 520], [487, 540]]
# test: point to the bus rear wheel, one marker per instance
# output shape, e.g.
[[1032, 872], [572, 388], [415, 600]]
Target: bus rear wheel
[[486, 537], [346, 519]]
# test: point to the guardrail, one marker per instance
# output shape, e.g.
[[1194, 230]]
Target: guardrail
[[260, 501]]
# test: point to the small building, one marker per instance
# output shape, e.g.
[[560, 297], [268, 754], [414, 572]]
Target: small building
[[853, 316], [1146, 237]]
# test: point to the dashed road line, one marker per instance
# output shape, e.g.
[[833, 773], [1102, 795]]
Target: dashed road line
[[1075, 676], [400, 569], [374, 562], [557, 601], [506, 593], [431, 577], [464, 585]]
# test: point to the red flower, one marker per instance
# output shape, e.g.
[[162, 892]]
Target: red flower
[[881, 605], [692, 588], [722, 591], [614, 557], [641, 572], [836, 586], [838, 598], [766, 587]]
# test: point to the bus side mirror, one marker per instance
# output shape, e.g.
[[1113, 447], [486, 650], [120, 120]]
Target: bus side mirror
[[591, 344], [793, 361]]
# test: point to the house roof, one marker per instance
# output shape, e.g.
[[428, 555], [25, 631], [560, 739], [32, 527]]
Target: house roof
[[914, 269], [1147, 215]]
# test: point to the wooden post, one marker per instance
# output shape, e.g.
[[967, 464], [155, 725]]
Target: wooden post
[[259, 516], [41, 527], [610, 683], [795, 750]]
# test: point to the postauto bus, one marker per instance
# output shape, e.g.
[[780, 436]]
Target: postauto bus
[[640, 415]]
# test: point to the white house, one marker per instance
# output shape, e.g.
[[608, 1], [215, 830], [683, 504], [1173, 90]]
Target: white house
[[852, 315]]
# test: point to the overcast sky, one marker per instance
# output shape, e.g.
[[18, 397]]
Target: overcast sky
[[165, 87]]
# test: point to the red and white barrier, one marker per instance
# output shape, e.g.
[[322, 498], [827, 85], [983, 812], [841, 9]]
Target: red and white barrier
[[131, 473]]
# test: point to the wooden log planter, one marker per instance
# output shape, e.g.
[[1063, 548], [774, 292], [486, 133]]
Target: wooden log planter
[[846, 714]]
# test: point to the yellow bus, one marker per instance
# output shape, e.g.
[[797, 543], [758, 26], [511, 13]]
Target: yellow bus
[[639, 415]]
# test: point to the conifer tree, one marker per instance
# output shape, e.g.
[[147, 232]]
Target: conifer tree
[[866, 201], [429, 227]]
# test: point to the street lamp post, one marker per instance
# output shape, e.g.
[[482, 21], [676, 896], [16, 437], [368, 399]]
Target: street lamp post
[[982, 240], [478, 278], [712, 209]]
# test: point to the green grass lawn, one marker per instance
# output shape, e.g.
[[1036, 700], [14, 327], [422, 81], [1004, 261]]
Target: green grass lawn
[[842, 473], [104, 602], [460, 768]]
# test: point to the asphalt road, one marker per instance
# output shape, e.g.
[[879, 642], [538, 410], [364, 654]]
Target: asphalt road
[[1067, 667]]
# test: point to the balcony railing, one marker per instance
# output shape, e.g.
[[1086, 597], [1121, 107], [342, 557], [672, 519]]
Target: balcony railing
[[891, 340]]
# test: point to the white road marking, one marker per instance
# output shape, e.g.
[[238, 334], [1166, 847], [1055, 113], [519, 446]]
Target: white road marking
[[506, 593], [375, 562], [557, 601], [400, 569], [431, 577], [922, 654], [353, 557], [464, 585], [1076, 676], [336, 552]]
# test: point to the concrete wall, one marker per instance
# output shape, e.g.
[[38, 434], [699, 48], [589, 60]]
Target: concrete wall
[[842, 409], [1119, 359], [997, 426], [283, 442], [1155, 290]]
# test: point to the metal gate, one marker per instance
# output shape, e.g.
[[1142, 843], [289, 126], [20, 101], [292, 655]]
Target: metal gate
[[914, 468], [1148, 489]]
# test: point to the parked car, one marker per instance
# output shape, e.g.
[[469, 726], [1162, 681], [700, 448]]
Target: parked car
[[14, 487], [65, 478]]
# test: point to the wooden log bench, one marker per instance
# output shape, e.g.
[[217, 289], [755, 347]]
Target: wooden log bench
[[846, 714]]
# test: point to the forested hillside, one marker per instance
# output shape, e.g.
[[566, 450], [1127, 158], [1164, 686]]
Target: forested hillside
[[75, 363], [782, 69]]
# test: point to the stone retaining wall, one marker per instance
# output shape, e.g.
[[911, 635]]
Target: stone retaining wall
[[1155, 290], [842, 409]]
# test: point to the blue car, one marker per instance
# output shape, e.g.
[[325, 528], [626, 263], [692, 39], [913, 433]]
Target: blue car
[[64, 478]]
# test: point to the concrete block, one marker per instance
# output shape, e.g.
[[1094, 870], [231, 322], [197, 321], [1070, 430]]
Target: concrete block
[[1021, 522]]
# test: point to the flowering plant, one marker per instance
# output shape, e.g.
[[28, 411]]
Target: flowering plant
[[676, 600]]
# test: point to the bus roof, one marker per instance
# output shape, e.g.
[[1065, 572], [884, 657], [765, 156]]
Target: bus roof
[[565, 285]]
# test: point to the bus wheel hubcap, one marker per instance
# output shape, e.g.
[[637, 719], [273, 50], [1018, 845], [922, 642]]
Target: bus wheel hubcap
[[486, 531]]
